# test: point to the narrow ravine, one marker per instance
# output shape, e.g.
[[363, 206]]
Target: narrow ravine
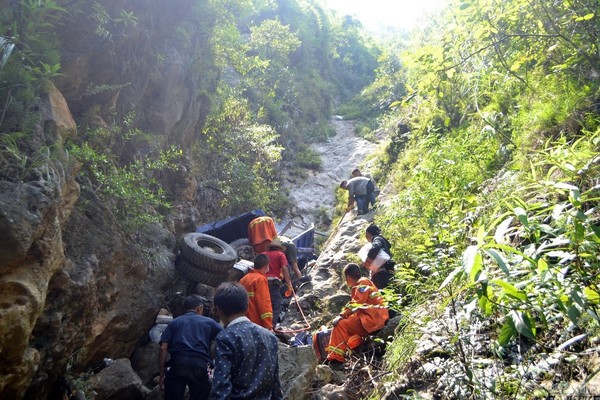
[[314, 194]]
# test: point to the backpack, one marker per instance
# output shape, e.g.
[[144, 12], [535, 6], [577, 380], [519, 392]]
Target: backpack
[[320, 341]]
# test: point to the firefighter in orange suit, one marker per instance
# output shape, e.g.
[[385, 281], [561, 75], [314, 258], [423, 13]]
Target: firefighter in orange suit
[[259, 310], [366, 313]]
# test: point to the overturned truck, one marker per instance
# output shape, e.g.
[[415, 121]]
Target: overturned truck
[[221, 250]]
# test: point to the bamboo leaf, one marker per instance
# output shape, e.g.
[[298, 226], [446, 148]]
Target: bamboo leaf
[[451, 277], [522, 323], [502, 229], [499, 260], [509, 289], [522, 215], [506, 332]]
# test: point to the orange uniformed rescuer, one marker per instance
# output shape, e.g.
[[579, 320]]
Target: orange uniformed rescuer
[[260, 310], [366, 313]]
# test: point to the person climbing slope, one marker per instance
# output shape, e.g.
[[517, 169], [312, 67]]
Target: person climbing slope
[[380, 275], [366, 313], [260, 310], [357, 172], [360, 190]]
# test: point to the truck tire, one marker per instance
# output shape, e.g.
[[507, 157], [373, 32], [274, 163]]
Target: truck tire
[[208, 252], [193, 273], [244, 249]]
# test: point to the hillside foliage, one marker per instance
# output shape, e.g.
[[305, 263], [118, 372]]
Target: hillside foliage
[[269, 71], [494, 130]]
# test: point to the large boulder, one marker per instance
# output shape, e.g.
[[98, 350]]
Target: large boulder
[[118, 381], [296, 370], [31, 252], [145, 362]]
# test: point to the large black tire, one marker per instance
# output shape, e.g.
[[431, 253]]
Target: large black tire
[[244, 249], [193, 273], [208, 252]]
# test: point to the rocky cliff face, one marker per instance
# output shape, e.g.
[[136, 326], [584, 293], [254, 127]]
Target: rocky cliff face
[[154, 63], [74, 289]]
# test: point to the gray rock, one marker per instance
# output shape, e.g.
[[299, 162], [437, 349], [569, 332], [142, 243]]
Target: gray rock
[[117, 381], [145, 362], [331, 392], [296, 370]]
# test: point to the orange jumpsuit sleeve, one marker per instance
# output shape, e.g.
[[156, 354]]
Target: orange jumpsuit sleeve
[[368, 305]]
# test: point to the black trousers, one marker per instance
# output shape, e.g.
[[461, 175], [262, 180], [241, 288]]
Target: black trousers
[[187, 372], [381, 279], [274, 291]]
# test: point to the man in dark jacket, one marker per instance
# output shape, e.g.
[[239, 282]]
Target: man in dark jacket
[[381, 275], [187, 338], [246, 354]]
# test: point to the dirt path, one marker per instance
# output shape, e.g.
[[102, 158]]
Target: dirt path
[[340, 155]]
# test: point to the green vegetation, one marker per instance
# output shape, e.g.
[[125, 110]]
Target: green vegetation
[[129, 184], [493, 152], [265, 74], [493, 127]]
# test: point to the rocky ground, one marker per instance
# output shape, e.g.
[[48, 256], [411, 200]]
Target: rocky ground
[[302, 377], [314, 194]]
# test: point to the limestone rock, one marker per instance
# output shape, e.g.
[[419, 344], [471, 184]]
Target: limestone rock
[[296, 370], [117, 381], [332, 392], [145, 362], [56, 115]]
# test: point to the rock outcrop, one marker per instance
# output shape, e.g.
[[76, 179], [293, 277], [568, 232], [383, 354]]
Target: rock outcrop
[[32, 215], [74, 290]]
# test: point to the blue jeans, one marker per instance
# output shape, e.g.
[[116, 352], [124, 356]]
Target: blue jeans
[[361, 203]]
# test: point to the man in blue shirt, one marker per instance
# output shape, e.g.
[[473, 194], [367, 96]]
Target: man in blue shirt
[[187, 339], [246, 364]]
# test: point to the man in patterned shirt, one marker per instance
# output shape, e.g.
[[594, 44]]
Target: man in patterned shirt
[[260, 310], [246, 364]]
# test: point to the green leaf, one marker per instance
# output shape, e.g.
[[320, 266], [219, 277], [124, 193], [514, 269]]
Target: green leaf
[[472, 262], [586, 17], [522, 215], [509, 289], [499, 260], [512, 250], [486, 305], [573, 313], [451, 277], [542, 265], [522, 323], [506, 332], [591, 295], [502, 229]]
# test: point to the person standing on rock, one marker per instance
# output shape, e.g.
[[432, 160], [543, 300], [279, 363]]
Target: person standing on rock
[[278, 271], [260, 310], [380, 275], [366, 313], [246, 365], [187, 339], [360, 190]]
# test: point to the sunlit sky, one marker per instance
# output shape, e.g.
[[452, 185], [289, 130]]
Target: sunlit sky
[[374, 14]]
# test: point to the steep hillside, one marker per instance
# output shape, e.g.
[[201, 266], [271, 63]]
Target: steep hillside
[[494, 163], [124, 125]]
